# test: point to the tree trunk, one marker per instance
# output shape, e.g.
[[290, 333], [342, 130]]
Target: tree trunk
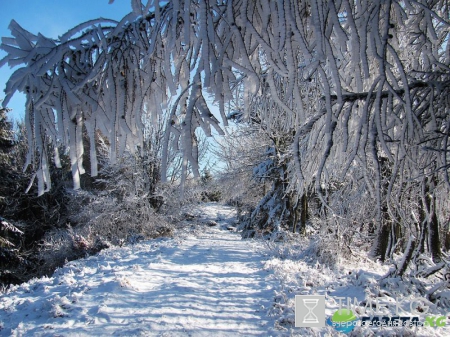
[[294, 217], [304, 216], [434, 244], [292, 208], [384, 241], [406, 256], [380, 246], [422, 229], [432, 223], [447, 235]]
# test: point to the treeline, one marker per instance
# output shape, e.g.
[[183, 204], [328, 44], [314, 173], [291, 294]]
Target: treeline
[[124, 204]]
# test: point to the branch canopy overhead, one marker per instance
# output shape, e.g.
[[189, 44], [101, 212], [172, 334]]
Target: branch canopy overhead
[[349, 72]]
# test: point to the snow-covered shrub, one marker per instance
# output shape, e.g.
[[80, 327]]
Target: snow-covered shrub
[[12, 260], [122, 221], [325, 250], [194, 192], [101, 221], [118, 208], [241, 150], [62, 245]]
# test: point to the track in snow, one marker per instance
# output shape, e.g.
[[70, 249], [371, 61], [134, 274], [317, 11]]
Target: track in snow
[[212, 284]]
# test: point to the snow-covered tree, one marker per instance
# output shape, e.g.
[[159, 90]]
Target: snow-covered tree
[[6, 136], [359, 84]]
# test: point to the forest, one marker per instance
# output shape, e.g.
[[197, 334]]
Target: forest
[[320, 120]]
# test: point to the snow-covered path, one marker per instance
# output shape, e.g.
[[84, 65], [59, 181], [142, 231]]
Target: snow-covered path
[[211, 284]]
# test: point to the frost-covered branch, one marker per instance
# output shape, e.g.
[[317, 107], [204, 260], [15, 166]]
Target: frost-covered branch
[[385, 64]]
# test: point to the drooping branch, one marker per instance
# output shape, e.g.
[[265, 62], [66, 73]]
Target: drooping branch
[[364, 96], [288, 60]]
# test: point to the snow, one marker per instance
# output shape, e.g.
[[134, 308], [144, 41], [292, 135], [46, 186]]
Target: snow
[[206, 281], [210, 282], [295, 265]]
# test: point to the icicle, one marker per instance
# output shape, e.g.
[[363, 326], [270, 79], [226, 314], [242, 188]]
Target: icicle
[[73, 155], [90, 127], [45, 172], [79, 142], [56, 157], [29, 124], [194, 156], [40, 179]]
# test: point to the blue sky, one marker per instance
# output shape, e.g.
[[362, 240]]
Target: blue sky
[[51, 18]]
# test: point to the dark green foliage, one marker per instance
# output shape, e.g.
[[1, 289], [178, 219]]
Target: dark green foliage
[[10, 235], [6, 135], [25, 217], [211, 192]]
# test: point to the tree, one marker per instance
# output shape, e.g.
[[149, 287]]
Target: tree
[[240, 151], [379, 69], [6, 136], [9, 233]]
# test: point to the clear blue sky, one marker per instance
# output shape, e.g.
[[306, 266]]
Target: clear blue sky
[[51, 18]]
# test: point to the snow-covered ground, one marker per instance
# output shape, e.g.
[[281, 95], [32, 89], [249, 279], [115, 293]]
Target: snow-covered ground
[[205, 282], [208, 284], [372, 294]]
